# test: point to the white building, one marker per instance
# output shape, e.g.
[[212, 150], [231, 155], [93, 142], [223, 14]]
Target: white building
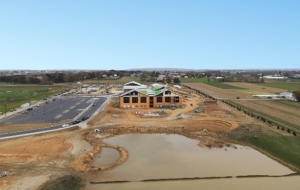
[[287, 95]]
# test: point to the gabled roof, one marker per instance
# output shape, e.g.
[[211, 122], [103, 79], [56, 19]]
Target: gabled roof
[[149, 91], [129, 92], [133, 84], [158, 86]]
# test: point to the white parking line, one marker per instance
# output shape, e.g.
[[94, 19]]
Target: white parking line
[[58, 116]]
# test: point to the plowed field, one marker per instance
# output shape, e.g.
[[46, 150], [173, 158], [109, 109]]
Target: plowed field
[[219, 92], [275, 109], [255, 87]]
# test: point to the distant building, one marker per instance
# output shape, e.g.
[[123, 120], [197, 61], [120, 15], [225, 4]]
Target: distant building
[[288, 95], [136, 95], [274, 77]]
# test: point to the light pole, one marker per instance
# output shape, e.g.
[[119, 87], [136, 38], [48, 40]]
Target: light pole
[[29, 99], [52, 118], [44, 108]]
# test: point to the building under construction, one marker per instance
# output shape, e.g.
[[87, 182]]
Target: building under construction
[[136, 95]]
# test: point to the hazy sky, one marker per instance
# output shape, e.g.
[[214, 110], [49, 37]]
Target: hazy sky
[[124, 34]]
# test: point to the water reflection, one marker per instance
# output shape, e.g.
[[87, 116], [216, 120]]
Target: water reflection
[[155, 156], [105, 157], [291, 183]]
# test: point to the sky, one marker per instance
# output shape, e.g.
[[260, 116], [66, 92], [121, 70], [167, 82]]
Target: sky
[[126, 34]]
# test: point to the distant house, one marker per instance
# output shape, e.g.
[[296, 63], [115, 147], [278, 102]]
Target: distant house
[[136, 95], [274, 77], [161, 78], [287, 95]]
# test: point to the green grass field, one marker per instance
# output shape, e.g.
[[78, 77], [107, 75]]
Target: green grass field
[[286, 148], [14, 95], [122, 80], [282, 85], [224, 86]]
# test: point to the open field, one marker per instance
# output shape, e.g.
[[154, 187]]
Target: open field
[[287, 115], [219, 92], [292, 104], [122, 80], [282, 85], [14, 95], [224, 86], [256, 87], [285, 112]]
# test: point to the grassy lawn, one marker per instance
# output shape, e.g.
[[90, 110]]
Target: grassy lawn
[[286, 148], [122, 80], [14, 95]]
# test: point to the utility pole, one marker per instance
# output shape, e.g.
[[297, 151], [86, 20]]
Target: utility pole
[[44, 108]]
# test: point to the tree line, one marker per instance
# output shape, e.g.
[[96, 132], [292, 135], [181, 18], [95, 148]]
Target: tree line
[[57, 77]]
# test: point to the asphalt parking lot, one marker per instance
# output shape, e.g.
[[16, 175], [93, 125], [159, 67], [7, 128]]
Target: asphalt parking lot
[[61, 109]]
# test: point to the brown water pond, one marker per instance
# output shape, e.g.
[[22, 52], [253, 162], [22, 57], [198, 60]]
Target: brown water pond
[[161, 156], [105, 157]]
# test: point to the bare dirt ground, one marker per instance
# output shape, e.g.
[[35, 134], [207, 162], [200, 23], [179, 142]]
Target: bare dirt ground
[[31, 161]]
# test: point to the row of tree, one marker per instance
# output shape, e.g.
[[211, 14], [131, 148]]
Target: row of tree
[[57, 77], [297, 95]]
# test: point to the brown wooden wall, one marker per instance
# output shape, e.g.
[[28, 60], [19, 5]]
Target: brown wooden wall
[[147, 104]]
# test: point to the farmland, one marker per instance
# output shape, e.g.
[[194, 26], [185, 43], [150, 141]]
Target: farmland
[[256, 87], [287, 115], [12, 96], [219, 92], [282, 85], [283, 111], [224, 86]]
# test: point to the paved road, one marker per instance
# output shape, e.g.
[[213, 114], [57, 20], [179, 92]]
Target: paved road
[[54, 111], [89, 110]]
